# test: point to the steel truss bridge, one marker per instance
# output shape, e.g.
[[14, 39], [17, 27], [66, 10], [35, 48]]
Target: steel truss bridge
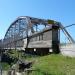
[[34, 35]]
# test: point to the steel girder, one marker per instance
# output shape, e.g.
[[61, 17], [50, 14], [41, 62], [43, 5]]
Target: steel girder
[[24, 27]]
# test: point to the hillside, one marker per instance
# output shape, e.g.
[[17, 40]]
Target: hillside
[[54, 65]]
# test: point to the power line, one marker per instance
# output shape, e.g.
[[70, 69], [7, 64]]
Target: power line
[[69, 25]]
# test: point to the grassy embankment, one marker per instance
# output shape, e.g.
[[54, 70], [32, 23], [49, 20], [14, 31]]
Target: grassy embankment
[[54, 64]]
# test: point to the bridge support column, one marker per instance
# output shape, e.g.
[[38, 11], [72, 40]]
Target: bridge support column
[[55, 39]]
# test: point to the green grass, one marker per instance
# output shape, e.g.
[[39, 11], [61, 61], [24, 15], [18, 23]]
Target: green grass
[[54, 65], [20, 55], [13, 53], [4, 66]]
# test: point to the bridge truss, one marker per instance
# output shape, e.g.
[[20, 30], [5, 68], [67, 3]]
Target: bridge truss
[[24, 27]]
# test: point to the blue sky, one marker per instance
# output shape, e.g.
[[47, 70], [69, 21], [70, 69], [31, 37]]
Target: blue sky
[[59, 10]]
